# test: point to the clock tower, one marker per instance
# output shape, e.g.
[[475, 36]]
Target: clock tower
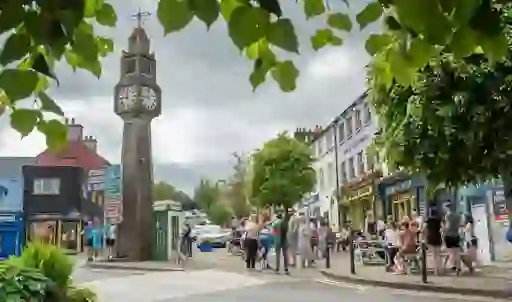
[[137, 100]]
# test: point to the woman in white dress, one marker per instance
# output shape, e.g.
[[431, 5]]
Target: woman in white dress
[[304, 242]]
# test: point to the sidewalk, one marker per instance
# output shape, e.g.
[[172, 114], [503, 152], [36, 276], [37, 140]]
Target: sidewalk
[[490, 281]]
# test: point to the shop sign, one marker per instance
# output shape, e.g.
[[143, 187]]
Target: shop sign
[[399, 187], [499, 206]]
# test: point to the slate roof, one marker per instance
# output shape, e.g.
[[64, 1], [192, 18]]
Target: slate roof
[[76, 153]]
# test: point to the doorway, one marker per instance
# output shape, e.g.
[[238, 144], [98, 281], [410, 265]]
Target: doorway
[[402, 206]]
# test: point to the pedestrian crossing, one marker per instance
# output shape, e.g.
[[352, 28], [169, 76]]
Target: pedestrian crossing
[[158, 286]]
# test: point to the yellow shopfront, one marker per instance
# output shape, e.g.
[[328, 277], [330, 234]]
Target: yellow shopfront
[[359, 202], [402, 204], [62, 232]]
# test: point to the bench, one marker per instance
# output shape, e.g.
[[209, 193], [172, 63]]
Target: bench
[[370, 252]]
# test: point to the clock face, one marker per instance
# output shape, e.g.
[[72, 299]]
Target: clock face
[[148, 96], [127, 97]]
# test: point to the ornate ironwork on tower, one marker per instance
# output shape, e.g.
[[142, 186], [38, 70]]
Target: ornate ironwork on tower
[[137, 100]]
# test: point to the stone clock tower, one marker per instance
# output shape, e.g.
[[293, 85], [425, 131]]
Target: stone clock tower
[[137, 100]]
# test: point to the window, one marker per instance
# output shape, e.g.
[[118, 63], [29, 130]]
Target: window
[[130, 66], [369, 161], [358, 120], [350, 127], [341, 132], [331, 175], [46, 186], [321, 180], [343, 173], [328, 139], [320, 150], [145, 66], [360, 163], [367, 114], [351, 168]]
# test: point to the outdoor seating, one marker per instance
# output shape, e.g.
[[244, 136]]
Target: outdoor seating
[[369, 252]]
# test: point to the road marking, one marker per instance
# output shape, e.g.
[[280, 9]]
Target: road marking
[[442, 295], [341, 284]]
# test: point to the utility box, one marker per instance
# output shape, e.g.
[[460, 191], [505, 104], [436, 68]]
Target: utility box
[[167, 222]]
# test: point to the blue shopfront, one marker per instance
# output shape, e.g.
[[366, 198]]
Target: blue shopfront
[[402, 194], [12, 238]]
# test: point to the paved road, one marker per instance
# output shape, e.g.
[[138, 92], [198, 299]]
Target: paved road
[[215, 285]]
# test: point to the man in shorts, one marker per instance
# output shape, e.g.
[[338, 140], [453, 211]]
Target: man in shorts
[[110, 238], [452, 237]]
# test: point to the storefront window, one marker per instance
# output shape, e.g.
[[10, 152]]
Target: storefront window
[[69, 235], [42, 231]]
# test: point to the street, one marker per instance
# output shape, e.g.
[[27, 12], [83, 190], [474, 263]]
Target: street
[[217, 285]]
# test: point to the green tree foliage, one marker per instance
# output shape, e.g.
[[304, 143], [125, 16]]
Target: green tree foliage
[[236, 187], [165, 191], [453, 122], [41, 33], [282, 172], [206, 194], [38, 35], [219, 213]]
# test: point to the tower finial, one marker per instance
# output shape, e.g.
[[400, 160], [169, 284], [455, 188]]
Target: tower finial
[[140, 15]]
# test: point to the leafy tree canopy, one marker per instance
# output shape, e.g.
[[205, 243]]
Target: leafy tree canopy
[[42, 32], [237, 193], [282, 172], [219, 214], [453, 122], [165, 191], [206, 194]]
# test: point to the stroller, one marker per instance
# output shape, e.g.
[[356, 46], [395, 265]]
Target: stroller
[[235, 245]]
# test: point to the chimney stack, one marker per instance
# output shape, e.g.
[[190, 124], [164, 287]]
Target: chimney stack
[[91, 143], [75, 131]]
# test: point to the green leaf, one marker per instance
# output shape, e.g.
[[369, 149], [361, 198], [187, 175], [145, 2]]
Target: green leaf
[[286, 74], [282, 34], [84, 43], [105, 46], [324, 37], [24, 120], [258, 74], [40, 64], [228, 6], [174, 15], [12, 15], [313, 8], [265, 61], [49, 105], [377, 43], [271, 6], [392, 23], [340, 21], [106, 15], [247, 25], [18, 84], [420, 52], [495, 47], [401, 69], [55, 132], [463, 42], [15, 48], [369, 14], [91, 6], [205, 10]]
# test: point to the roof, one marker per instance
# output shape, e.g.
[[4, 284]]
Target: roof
[[74, 154], [344, 114], [11, 166]]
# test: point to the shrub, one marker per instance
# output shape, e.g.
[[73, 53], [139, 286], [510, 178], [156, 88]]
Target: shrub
[[41, 273]]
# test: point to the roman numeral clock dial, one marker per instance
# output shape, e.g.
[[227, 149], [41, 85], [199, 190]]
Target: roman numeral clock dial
[[149, 98], [127, 98]]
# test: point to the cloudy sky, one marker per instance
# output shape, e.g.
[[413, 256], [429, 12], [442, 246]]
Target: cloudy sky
[[209, 109]]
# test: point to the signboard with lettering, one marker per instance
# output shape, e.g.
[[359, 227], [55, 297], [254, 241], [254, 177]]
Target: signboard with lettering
[[499, 206], [96, 180], [113, 194]]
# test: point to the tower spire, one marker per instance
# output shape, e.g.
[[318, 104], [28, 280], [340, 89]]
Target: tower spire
[[139, 41]]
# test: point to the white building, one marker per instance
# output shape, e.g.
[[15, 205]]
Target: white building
[[344, 161]]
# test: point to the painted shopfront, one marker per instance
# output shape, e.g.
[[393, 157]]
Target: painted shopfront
[[359, 198], [12, 231], [403, 194]]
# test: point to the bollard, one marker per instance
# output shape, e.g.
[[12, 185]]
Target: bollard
[[328, 256], [424, 262], [352, 256]]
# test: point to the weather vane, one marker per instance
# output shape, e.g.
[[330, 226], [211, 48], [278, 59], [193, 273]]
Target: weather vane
[[140, 15]]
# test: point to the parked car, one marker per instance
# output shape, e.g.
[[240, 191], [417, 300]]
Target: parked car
[[214, 234]]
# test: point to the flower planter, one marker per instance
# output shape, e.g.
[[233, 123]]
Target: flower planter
[[205, 247]]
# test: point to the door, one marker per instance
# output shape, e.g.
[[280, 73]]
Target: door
[[160, 233], [8, 243], [175, 232]]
